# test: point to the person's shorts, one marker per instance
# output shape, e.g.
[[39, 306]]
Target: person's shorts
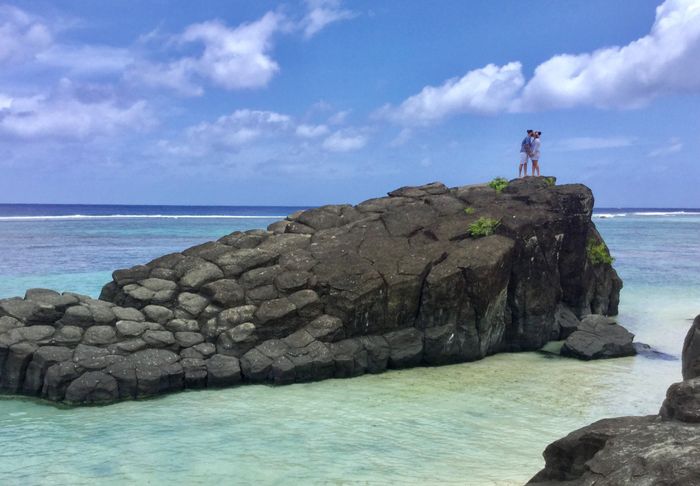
[[535, 156], [523, 157]]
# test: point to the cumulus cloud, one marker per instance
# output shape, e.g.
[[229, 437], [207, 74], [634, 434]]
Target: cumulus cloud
[[241, 127], [344, 141], [21, 35], [67, 116], [484, 91], [227, 133], [248, 128], [232, 58], [664, 61], [321, 13]]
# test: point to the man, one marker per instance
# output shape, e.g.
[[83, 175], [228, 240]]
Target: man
[[535, 152], [525, 147]]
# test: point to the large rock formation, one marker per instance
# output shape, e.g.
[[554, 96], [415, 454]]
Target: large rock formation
[[656, 449], [334, 291]]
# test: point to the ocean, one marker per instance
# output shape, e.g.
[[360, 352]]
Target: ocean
[[476, 423]]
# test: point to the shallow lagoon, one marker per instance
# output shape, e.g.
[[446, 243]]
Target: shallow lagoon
[[476, 423]]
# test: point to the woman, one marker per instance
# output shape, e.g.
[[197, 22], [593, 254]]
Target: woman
[[535, 152]]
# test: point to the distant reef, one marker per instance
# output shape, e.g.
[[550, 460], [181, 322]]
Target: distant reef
[[662, 449], [429, 275]]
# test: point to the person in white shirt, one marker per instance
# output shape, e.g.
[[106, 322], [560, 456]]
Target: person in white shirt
[[535, 152]]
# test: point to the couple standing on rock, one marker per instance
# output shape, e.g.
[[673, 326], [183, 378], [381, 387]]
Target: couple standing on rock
[[530, 149]]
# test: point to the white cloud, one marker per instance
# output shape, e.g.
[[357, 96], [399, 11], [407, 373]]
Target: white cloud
[[176, 76], [484, 91], [66, 116], [674, 145], [321, 13], [344, 141], [232, 58], [230, 132], [664, 61], [311, 131], [21, 35], [575, 144], [250, 133]]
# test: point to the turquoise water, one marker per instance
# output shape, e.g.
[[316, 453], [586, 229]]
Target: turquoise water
[[478, 423]]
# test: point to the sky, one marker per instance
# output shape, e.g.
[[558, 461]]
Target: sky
[[313, 102]]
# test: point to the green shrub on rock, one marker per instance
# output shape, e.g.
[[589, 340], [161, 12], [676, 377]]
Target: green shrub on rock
[[551, 181], [598, 253], [483, 227], [470, 210], [498, 184]]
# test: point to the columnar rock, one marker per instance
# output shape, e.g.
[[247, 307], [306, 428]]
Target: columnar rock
[[334, 291]]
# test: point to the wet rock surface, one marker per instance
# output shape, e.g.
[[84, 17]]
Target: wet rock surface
[[650, 450], [335, 291]]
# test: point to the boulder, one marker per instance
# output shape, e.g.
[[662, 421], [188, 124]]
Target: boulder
[[691, 351], [624, 451], [598, 337], [683, 401], [223, 371], [91, 388]]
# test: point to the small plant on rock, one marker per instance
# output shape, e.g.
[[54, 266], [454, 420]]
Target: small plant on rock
[[470, 210], [598, 253], [483, 227], [551, 181], [498, 184]]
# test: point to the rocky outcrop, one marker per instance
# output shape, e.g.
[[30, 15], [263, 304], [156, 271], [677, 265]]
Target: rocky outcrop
[[655, 449], [335, 291]]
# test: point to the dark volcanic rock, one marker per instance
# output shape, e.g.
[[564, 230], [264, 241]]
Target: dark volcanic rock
[[599, 337], [629, 451], [691, 351], [335, 291], [625, 451]]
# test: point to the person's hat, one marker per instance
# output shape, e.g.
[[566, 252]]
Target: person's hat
[[529, 131]]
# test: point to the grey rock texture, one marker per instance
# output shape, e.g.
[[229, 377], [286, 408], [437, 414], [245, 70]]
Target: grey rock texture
[[651, 450], [598, 337], [335, 291]]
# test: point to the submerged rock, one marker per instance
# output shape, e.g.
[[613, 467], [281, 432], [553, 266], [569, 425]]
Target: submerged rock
[[335, 291]]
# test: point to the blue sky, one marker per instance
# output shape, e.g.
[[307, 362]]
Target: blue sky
[[323, 101]]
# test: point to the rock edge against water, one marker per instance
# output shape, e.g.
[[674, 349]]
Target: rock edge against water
[[335, 291], [652, 450]]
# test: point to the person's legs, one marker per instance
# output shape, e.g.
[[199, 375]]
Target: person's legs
[[535, 167]]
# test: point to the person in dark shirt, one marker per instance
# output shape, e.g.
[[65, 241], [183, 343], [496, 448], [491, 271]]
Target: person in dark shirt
[[525, 148]]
